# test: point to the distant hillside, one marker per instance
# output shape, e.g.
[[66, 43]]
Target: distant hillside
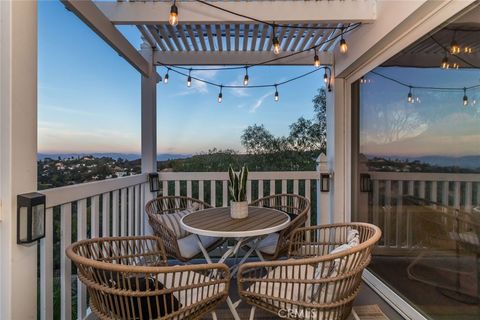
[[467, 162], [125, 156]]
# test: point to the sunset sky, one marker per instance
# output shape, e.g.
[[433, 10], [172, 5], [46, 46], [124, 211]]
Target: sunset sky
[[89, 101]]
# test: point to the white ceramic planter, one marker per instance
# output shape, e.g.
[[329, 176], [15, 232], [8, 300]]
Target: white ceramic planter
[[239, 210]]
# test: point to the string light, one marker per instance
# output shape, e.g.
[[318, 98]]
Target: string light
[[245, 79], [165, 79], [275, 42], [173, 16], [189, 79], [410, 96], [325, 77], [455, 65], [343, 44], [465, 98], [276, 97], [445, 64], [454, 47], [220, 95], [467, 50], [316, 59]]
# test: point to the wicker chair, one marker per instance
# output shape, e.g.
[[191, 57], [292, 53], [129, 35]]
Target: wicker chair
[[128, 278], [296, 206], [314, 284], [182, 247]]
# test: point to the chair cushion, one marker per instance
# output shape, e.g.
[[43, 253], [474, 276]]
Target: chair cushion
[[172, 221], [188, 245], [353, 237], [268, 245]]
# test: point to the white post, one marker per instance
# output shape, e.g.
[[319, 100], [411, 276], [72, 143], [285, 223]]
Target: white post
[[362, 205], [18, 153], [336, 135], [324, 215], [149, 125]]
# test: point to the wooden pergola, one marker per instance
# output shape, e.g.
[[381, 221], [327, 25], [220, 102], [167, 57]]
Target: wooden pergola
[[204, 36]]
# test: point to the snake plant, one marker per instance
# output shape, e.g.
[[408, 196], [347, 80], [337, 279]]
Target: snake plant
[[238, 184]]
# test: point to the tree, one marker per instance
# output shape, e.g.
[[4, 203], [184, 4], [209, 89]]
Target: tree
[[258, 140]]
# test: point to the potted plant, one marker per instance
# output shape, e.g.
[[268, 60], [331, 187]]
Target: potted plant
[[238, 193]]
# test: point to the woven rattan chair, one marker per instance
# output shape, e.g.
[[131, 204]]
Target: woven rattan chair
[[296, 206], [313, 284], [183, 248], [128, 278]]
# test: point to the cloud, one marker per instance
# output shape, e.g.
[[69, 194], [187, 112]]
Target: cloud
[[259, 102]]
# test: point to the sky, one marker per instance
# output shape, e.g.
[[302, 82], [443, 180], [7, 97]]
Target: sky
[[89, 97], [89, 101]]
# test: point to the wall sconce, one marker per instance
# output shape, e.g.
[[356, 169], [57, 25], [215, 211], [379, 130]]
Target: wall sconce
[[324, 182], [30, 217], [154, 182], [365, 182]]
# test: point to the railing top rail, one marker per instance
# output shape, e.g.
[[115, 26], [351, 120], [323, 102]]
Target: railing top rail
[[253, 175], [62, 195], [425, 176]]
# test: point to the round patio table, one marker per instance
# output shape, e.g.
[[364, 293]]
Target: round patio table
[[216, 222]]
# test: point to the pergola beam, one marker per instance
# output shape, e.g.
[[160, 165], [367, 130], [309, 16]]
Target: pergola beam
[[279, 11], [89, 13], [238, 58]]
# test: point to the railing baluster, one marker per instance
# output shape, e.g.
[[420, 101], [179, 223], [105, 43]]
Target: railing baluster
[[115, 213], [213, 193], [284, 186], [249, 191], [399, 214], [106, 214], [260, 189], [308, 196], [456, 200], [46, 269], [421, 190], [123, 212], [94, 216], [165, 188], [387, 212], [433, 191], [445, 200], [131, 213], [376, 195], [411, 188], [177, 188], [272, 187], [65, 264], [224, 193], [468, 196], [189, 188], [138, 211], [81, 234], [200, 190]]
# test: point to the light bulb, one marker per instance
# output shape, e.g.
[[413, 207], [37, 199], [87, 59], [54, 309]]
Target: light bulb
[[165, 79], [467, 50], [445, 64], [276, 45], [325, 78], [189, 81], [410, 96], [245, 79], [173, 17], [220, 95], [343, 46], [455, 65], [465, 98], [276, 95], [454, 47], [316, 60]]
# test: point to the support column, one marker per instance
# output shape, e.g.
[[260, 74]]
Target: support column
[[149, 126], [18, 153], [336, 137]]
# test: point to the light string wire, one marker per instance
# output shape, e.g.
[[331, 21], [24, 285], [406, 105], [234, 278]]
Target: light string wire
[[277, 84], [314, 47], [271, 24], [445, 89]]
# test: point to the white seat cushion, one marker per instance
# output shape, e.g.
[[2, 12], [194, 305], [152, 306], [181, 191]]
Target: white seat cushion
[[172, 220], [269, 244], [188, 246]]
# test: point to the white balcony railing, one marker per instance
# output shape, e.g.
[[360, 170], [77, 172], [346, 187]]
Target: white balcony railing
[[460, 191]]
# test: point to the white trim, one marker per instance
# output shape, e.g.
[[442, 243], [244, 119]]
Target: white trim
[[282, 11], [403, 307], [235, 234], [254, 175]]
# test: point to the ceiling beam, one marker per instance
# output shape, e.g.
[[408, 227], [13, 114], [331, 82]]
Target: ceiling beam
[[89, 13], [279, 11], [238, 58]]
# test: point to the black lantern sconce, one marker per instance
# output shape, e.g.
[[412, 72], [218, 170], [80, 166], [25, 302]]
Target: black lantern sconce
[[30, 217], [154, 182], [365, 182], [325, 182]]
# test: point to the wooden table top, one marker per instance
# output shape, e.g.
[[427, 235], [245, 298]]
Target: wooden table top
[[218, 223]]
